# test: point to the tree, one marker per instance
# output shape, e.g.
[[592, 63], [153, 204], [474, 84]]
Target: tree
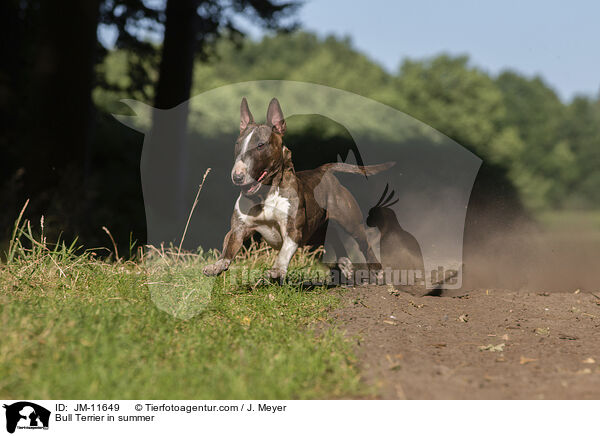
[[580, 128], [56, 126], [51, 54], [453, 97], [546, 166], [193, 26]]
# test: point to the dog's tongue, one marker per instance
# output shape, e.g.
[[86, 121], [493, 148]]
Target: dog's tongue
[[255, 187]]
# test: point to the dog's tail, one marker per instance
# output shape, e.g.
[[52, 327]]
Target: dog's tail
[[366, 170]]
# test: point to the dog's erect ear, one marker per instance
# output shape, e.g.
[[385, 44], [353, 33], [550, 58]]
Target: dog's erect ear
[[275, 117], [245, 115]]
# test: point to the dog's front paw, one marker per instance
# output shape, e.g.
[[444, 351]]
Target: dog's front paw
[[276, 274], [216, 268]]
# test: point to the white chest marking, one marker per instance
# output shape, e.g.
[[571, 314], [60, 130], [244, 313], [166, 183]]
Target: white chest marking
[[276, 207], [271, 222]]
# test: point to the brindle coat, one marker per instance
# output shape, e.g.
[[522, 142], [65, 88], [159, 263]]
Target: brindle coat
[[287, 208]]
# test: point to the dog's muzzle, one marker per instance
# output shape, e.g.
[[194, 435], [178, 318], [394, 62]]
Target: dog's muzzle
[[238, 178]]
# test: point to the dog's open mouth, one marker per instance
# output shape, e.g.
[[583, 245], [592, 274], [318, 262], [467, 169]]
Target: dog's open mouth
[[251, 188]]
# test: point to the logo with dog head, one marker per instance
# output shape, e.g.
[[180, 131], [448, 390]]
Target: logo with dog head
[[26, 415]]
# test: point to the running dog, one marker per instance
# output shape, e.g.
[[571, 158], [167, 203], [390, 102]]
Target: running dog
[[286, 207]]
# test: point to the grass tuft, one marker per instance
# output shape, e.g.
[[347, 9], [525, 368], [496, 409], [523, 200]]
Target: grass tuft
[[76, 326]]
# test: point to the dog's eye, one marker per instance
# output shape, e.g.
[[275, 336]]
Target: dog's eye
[[260, 145]]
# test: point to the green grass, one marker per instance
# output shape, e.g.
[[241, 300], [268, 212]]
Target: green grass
[[75, 327]]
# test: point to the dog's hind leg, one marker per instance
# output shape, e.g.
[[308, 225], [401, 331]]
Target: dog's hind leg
[[350, 270], [344, 265], [343, 209]]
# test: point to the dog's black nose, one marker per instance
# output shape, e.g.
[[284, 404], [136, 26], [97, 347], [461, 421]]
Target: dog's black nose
[[238, 178]]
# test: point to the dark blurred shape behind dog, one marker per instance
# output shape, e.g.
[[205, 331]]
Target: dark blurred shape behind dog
[[398, 249]]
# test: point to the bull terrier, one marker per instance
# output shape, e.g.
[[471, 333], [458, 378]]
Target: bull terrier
[[287, 208]]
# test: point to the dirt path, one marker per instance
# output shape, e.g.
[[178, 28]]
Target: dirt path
[[429, 347]]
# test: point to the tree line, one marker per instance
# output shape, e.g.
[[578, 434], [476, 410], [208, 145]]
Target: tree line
[[53, 137], [550, 148], [78, 166]]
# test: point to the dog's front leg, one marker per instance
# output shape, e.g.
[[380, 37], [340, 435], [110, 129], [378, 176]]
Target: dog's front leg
[[279, 269], [231, 245]]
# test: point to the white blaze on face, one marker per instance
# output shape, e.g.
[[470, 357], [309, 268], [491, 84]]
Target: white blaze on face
[[240, 166], [247, 141]]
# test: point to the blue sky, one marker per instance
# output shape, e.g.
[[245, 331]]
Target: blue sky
[[558, 40]]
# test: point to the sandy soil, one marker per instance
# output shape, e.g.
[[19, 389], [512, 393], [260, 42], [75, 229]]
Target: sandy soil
[[483, 344]]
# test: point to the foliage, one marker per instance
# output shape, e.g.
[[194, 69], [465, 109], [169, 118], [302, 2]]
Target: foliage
[[550, 149], [138, 23]]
